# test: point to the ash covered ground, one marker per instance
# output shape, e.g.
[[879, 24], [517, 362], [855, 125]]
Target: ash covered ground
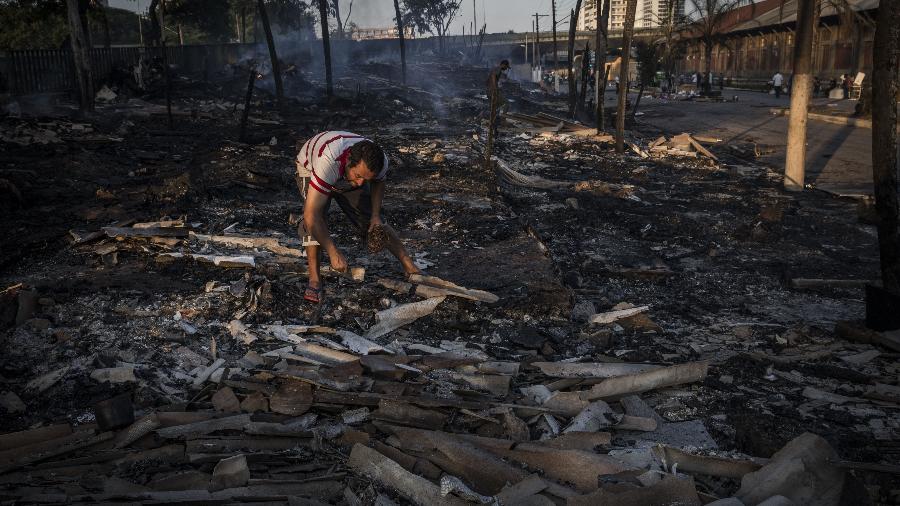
[[713, 248]]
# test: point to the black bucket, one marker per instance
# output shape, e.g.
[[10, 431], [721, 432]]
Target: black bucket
[[882, 309], [114, 413]]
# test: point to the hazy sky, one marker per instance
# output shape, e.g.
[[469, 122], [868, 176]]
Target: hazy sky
[[500, 15]]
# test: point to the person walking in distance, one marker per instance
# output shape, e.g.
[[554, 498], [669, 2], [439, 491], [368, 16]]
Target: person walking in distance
[[777, 83]]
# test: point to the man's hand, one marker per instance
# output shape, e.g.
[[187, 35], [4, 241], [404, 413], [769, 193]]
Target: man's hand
[[338, 261], [374, 222]]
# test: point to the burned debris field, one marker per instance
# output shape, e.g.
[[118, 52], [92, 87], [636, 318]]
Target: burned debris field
[[661, 326]]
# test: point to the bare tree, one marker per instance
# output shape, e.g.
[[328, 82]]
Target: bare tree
[[81, 55], [795, 159], [573, 21], [627, 33], [273, 54], [402, 36], [336, 10], [600, 60], [711, 15], [432, 16], [326, 46], [884, 141], [670, 24]]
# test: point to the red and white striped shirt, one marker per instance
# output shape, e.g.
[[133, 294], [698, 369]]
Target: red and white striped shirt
[[324, 160]]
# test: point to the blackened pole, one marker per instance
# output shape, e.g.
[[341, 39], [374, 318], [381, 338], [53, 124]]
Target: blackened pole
[[600, 60], [246, 113], [165, 59], [489, 149], [326, 46]]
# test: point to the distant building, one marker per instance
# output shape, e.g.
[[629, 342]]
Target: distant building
[[649, 14], [756, 40], [357, 33]]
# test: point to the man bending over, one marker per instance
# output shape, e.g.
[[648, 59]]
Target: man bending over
[[351, 170]]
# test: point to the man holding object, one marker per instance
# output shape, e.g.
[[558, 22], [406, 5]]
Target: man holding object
[[351, 170]]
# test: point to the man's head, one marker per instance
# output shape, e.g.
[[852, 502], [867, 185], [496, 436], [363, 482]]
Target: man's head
[[365, 162], [504, 64]]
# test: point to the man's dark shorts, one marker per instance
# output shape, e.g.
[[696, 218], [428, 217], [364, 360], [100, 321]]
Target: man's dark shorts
[[356, 204]]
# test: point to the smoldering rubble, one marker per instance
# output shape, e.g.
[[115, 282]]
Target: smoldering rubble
[[661, 327]]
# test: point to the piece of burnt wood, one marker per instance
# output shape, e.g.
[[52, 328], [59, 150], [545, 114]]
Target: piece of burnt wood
[[146, 232], [247, 98]]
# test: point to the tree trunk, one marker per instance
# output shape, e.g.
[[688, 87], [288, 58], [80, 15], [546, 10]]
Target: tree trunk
[[795, 160], [585, 72], [326, 47], [402, 39], [83, 6], [600, 60], [155, 35], [573, 21], [273, 55], [627, 32], [81, 56], [884, 141], [337, 16]]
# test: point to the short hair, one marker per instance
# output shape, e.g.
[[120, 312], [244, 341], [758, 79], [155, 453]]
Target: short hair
[[504, 62], [368, 152]]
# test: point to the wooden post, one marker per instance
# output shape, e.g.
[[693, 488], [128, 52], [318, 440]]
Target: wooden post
[[247, 98], [326, 46], [628, 31], [884, 141], [795, 160]]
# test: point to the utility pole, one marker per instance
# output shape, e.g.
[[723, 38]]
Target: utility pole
[[533, 62], [537, 35], [526, 47], [555, 52]]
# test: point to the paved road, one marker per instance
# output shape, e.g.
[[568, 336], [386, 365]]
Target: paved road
[[839, 158]]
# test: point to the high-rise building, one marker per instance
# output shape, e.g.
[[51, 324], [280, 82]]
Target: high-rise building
[[649, 13]]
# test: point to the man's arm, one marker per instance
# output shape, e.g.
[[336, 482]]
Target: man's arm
[[377, 190], [314, 220]]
